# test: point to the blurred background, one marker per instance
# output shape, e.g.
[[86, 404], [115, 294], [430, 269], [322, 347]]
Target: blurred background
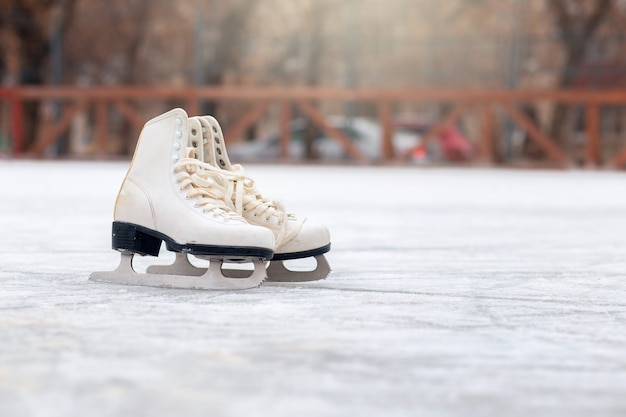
[[512, 82]]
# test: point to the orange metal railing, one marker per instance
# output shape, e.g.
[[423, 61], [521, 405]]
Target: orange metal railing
[[483, 103]]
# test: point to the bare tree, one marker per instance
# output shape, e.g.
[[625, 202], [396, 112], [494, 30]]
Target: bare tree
[[576, 22], [229, 30], [33, 23], [103, 45], [317, 15]]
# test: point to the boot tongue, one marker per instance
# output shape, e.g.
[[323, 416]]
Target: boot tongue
[[213, 139], [195, 141], [207, 152]]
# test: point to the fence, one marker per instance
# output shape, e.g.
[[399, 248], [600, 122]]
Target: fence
[[483, 105]]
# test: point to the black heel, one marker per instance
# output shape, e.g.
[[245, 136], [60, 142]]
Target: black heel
[[130, 237]]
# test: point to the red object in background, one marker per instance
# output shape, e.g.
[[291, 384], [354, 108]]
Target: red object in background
[[419, 152], [454, 146]]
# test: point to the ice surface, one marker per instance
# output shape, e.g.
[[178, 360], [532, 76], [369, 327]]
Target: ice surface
[[453, 292]]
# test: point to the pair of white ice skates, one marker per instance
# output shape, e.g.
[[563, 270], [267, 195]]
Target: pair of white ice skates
[[182, 189]]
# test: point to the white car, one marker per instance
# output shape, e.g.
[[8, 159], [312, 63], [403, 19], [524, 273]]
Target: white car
[[364, 133]]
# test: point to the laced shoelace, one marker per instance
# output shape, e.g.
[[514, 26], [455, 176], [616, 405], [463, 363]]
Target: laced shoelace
[[208, 187], [248, 199], [231, 193], [245, 198]]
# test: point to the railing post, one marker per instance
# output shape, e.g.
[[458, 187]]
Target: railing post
[[592, 122], [386, 122], [101, 127], [17, 123], [193, 108], [285, 129], [487, 130]]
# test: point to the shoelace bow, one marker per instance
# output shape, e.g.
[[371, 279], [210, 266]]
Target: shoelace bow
[[208, 187], [248, 199], [238, 194], [245, 197], [230, 194]]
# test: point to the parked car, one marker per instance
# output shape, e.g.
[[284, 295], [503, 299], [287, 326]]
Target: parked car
[[364, 133]]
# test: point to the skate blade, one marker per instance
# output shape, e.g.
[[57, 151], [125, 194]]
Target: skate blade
[[276, 272], [210, 278]]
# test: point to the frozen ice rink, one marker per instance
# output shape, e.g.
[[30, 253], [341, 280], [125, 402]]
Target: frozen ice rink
[[453, 292]]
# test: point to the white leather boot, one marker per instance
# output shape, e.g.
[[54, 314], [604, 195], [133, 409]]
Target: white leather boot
[[168, 196], [295, 237]]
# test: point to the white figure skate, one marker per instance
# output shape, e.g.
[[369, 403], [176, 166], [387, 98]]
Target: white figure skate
[[295, 238], [168, 196]]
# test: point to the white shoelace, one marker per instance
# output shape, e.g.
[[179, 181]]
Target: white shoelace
[[231, 193], [248, 199], [208, 187], [243, 196]]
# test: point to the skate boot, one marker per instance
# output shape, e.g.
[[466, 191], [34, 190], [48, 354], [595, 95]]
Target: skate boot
[[295, 237], [168, 196]]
